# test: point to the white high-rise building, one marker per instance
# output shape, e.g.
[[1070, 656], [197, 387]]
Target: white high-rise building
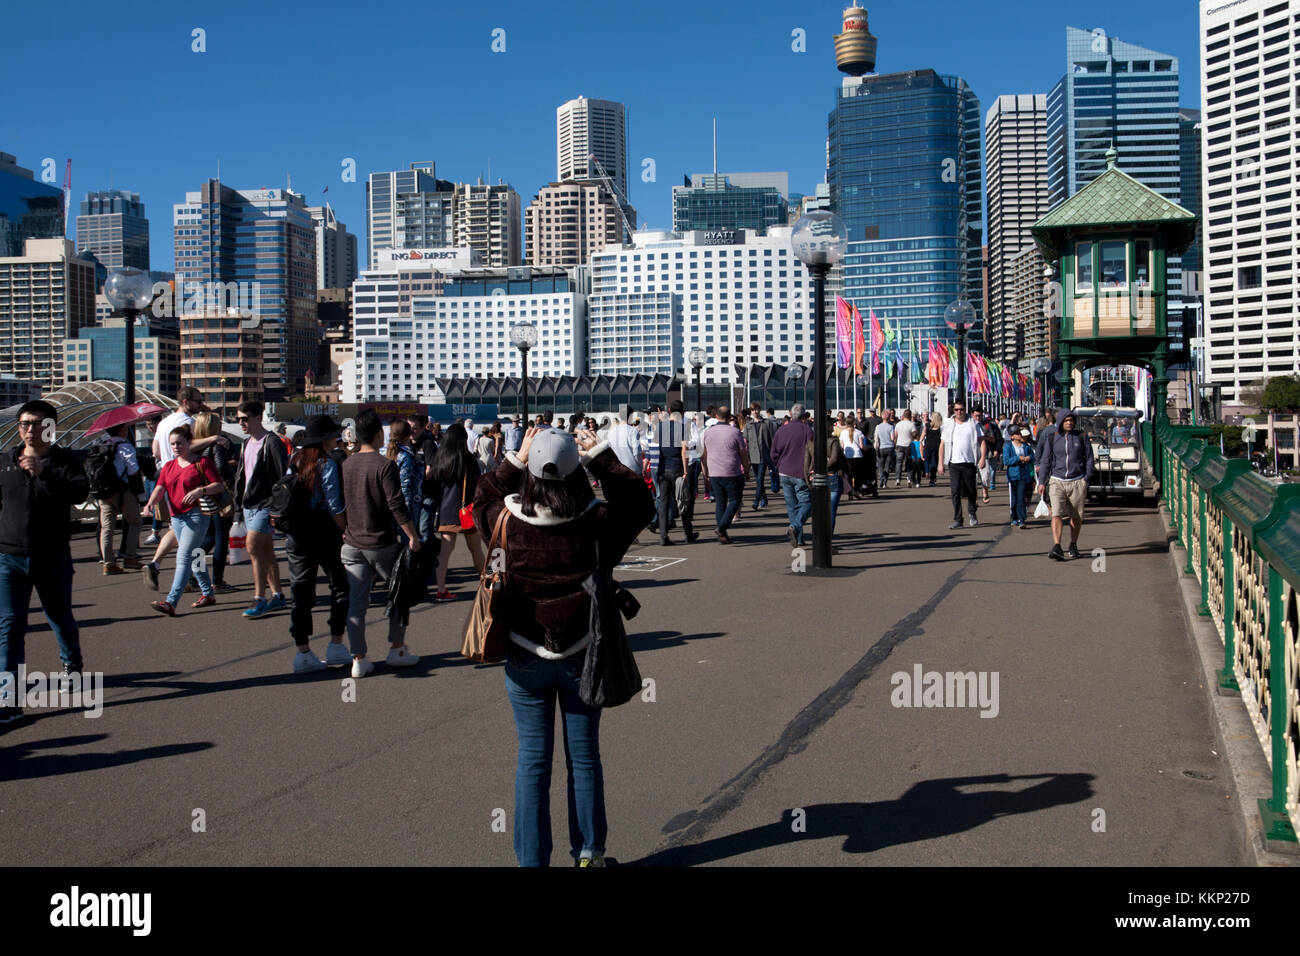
[[584, 128], [1250, 123], [459, 327], [47, 295], [336, 250], [487, 219], [745, 299]]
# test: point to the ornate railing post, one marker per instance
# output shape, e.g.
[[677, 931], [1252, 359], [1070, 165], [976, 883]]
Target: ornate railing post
[[1228, 675], [1273, 810]]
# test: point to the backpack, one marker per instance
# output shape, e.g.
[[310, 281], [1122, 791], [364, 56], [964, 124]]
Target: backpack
[[101, 469], [290, 506]]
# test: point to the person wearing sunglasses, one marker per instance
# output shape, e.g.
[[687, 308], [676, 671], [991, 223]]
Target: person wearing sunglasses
[[40, 481]]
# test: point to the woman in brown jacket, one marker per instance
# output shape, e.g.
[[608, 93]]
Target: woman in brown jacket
[[550, 539]]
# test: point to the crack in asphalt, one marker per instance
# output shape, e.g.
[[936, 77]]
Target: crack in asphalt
[[689, 827]]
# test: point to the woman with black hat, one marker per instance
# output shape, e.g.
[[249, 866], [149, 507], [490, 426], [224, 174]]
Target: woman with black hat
[[316, 544]]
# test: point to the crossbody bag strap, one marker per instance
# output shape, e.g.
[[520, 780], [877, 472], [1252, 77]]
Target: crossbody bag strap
[[464, 485]]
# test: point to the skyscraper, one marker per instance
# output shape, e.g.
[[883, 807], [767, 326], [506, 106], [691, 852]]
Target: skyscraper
[[254, 249], [1251, 246], [408, 209], [1016, 164], [112, 225], [486, 219], [904, 171], [47, 295], [28, 209], [336, 249], [712, 201], [569, 222], [1116, 93], [1189, 167], [584, 128]]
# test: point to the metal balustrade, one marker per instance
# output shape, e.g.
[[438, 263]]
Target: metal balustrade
[[1241, 537]]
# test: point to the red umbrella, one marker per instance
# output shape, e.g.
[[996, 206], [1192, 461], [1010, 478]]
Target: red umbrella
[[126, 415]]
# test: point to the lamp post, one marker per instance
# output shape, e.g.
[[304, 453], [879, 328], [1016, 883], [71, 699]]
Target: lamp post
[[863, 381], [793, 373], [129, 291], [697, 358], [960, 316], [820, 240], [221, 409], [523, 336]]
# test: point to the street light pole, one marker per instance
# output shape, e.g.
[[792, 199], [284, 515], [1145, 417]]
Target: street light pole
[[960, 317], [820, 240], [129, 290], [697, 358], [523, 336]]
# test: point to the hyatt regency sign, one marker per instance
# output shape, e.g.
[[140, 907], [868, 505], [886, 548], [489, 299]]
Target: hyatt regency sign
[[722, 237]]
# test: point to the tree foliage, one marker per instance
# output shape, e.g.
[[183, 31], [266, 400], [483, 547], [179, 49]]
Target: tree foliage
[[1282, 393]]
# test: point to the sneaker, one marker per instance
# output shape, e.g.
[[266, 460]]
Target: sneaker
[[974, 522], [304, 662], [277, 603], [221, 587], [723, 538], [132, 564], [113, 569], [793, 535], [150, 574], [162, 607], [1072, 552], [402, 657], [337, 655], [692, 537], [443, 595], [151, 540], [362, 667], [954, 526], [1056, 554], [260, 608], [596, 859], [206, 601]]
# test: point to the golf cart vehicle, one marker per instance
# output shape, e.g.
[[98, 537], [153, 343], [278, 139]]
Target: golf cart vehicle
[[1118, 465]]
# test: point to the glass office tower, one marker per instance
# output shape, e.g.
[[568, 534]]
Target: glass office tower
[[717, 204], [903, 166], [29, 209]]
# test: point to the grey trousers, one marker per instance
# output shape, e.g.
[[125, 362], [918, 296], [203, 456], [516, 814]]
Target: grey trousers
[[361, 567]]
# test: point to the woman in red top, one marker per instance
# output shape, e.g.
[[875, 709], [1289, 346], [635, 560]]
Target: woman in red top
[[184, 480]]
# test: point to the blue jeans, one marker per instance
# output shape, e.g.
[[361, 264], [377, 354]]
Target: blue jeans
[[760, 489], [191, 528], [1018, 488], [798, 503], [534, 685], [726, 499], [51, 576], [837, 488]]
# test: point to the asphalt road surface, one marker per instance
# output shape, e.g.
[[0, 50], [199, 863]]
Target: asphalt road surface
[[777, 733]]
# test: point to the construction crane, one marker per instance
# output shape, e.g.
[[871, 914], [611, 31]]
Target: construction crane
[[619, 198]]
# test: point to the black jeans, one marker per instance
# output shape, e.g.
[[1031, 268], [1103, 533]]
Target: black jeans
[[318, 550], [668, 504], [962, 484]]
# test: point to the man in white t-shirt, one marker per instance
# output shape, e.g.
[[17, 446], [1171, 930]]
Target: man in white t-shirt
[[961, 452], [904, 432]]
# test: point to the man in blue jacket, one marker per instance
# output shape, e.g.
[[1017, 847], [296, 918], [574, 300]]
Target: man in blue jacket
[[1064, 471], [40, 481]]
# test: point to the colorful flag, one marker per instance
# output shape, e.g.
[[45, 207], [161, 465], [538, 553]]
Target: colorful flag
[[889, 345], [915, 361], [877, 342], [859, 343], [843, 330]]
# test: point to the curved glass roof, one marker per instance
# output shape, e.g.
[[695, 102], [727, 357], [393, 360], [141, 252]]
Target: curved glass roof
[[79, 404]]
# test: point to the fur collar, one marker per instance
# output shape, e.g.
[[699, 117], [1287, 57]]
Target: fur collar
[[544, 518]]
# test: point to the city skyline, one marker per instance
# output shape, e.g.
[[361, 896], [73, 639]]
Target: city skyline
[[669, 123]]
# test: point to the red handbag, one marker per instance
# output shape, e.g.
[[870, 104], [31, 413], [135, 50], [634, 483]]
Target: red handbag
[[466, 511]]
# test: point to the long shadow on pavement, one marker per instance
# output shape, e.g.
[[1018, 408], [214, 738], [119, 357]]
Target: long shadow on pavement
[[930, 809], [21, 760]]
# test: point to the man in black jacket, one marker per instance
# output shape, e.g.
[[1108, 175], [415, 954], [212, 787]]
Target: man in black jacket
[[39, 483], [1064, 472]]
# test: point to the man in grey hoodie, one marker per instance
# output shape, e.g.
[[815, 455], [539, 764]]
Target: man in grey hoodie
[[1065, 469]]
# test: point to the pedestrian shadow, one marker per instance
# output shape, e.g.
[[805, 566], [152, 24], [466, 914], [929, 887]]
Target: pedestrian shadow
[[22, 760], [930, 809], [653, 640], [639, 584]]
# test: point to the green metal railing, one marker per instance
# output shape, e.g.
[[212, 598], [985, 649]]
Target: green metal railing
[[1241, 536]]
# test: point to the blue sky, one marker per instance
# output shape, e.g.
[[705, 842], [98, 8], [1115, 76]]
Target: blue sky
[[293, 88]]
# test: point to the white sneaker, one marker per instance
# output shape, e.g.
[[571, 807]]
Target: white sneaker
[[337, 655], [402, 657], [152, 539], [362, 667], [304, 662]]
